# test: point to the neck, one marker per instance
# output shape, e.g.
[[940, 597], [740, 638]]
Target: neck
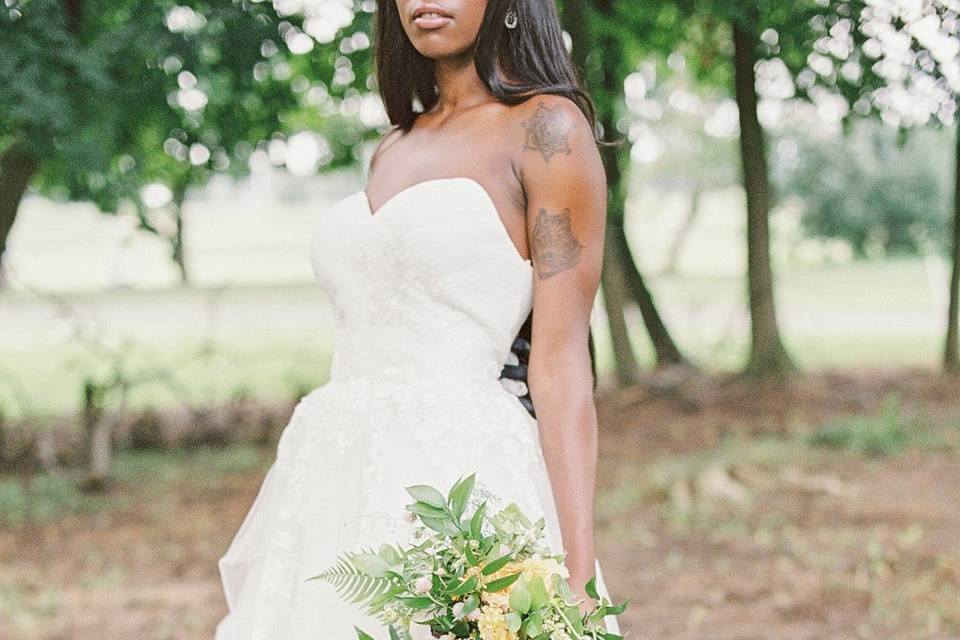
[[459, 84]]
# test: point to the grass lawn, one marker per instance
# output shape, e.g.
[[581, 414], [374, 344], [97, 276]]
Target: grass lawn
[[271, 341], [255, 322]]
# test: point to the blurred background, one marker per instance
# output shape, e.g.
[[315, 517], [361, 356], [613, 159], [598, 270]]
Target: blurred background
[[776, 328]]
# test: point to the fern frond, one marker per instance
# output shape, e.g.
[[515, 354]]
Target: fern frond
[[356, 587]]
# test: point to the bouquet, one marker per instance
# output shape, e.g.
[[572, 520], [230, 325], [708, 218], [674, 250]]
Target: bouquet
[[469, 574]]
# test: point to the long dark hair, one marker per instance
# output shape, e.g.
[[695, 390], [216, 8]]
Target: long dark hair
[[533, 55]]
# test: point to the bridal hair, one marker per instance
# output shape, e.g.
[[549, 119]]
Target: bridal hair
[[532, 54]]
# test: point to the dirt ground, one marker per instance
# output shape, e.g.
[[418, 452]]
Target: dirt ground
[[713, 521]]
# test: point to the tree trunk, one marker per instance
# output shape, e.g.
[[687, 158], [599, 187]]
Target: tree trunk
[[17, 168], [101, 456], [673, 254], [615, 158], [666, 350], [99, 428], [614, 300], [95, 454], [176, 243], [612, 278], [177, 249], [951, 356], [768, 357]]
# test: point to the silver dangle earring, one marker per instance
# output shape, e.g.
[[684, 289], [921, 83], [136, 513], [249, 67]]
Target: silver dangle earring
[[511, 19]]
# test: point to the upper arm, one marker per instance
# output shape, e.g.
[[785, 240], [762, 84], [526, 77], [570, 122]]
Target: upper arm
[[566, 191]]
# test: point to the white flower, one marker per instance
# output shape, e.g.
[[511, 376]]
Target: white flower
[[458, 610], [390, 614], [423, 584]]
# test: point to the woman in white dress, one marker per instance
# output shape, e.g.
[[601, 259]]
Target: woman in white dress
[[484, 205]]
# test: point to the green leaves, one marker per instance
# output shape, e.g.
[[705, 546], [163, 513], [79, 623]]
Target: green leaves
[[390, 555], [443, 514], [476, 522], [427, 510], [538, 592], [502, 583], [441, 525], [465, 587], [471, 603], [360, 577], [560, 586], [617, 609], [101, 102], [417, 603], [603, 607], [460, 629], [427, 494], [572, 615], [533, 625], [460, 494], [371, 564], [520, 597], [591, 588], [497, 564], [443, 577]]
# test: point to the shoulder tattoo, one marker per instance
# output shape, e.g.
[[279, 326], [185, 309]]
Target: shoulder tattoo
[[554, 246], [548, 131]]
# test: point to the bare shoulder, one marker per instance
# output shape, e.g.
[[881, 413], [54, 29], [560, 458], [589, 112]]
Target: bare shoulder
[[392, 134], [564, 182], [555, 152], [551, 127]]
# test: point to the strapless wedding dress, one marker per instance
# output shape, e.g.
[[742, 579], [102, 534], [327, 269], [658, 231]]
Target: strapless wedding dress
[[427, 293]]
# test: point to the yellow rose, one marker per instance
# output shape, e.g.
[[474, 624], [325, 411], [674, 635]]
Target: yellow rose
[[493, 625], [544, 568], [530, 568]]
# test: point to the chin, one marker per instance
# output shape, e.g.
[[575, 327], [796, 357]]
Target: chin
[[437, 48]]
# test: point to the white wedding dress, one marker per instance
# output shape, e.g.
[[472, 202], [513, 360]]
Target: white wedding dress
[[428, 294]]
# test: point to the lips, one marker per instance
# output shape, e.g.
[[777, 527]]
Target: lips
[[431, 16]]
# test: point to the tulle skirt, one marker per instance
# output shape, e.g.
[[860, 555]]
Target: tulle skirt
[[337, 484]]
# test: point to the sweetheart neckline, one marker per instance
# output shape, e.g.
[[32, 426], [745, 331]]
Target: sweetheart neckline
[[371, 215]]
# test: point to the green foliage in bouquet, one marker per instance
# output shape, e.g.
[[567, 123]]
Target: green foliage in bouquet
[[469, 574]]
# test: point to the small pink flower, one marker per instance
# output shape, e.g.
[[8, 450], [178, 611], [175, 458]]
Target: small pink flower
[[504, 549], [458, 610], [423, 584], [410, 517], [474, 615]]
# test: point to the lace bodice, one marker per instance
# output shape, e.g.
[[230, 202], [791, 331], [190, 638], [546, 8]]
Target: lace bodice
[[429, 285]]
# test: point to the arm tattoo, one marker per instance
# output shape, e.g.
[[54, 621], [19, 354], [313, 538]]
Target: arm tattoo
[[547, 131], [555, 248]]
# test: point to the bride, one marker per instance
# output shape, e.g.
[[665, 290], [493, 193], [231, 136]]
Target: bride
[[482, 205]]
